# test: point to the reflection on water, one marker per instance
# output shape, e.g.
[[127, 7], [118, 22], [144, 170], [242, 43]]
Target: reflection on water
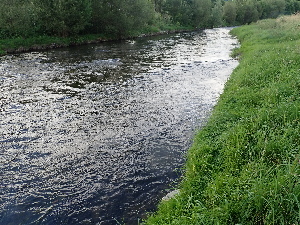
[[96, 134]]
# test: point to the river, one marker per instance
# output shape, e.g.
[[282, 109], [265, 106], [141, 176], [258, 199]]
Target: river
[[98, 134]]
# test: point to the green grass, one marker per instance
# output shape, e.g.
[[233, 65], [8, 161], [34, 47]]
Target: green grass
[[244, 165], [44, 42], [20, 44]]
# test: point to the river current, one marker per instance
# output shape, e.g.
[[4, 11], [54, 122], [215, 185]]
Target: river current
[[98, 134]]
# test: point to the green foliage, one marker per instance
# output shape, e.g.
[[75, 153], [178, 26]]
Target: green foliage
[[124, 18], [244, 165], [43, 42], [194, 13], [179, 11], [247, 12], [121, 18], [17, 18], [273, 8], [229, 12], [64, 17], [158, 5], [292, 6], [217, 17], [202, 13]]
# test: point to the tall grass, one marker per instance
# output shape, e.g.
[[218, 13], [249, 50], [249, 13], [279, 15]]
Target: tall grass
[[244, 165]]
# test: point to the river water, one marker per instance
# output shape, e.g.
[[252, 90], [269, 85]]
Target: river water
[[97, 134]]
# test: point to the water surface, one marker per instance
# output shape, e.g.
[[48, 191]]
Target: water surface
[[97, 134]]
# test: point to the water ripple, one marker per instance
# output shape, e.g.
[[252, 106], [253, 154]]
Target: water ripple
[[95, 134]]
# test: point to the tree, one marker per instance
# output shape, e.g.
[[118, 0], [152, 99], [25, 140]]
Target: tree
[[217, 12], [229, 12], [273, 8], [292, 6], [247, 11], [17, 18], [202, 13], [120, 18], [158, 5], [64, 17], [175, 8]]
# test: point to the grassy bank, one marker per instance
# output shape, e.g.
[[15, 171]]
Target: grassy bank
[[244, 165], [17, 45]]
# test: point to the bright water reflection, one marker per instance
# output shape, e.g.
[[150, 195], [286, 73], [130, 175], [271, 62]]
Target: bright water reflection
[[97, 133]]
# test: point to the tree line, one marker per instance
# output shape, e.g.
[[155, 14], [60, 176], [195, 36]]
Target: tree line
[[123, 18]]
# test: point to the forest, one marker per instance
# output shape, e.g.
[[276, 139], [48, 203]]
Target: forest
[[125, 18]]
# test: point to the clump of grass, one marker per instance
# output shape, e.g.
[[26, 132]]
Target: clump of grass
[[244, 165]]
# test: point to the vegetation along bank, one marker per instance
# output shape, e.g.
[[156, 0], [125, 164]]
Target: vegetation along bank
[[244, 165], [39, 24]]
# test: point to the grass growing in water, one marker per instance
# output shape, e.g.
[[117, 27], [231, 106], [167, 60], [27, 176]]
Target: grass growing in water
[[244, 165]]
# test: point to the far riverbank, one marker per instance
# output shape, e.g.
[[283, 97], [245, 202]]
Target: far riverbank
[[20, 45]]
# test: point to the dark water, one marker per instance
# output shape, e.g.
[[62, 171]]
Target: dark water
[[97, 134]]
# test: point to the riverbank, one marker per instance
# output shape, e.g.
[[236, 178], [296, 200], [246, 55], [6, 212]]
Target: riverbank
[[19, 45], [244, 165]]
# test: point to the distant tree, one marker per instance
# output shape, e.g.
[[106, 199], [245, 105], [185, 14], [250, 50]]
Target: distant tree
[[64, 17], [229, 12], [142, 12], [292, 6], [202, 13], [247, 11], [196, 13], [217, 12], [121, 18], [273, 8], [17, 18], [176, 9], [158, 5]]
